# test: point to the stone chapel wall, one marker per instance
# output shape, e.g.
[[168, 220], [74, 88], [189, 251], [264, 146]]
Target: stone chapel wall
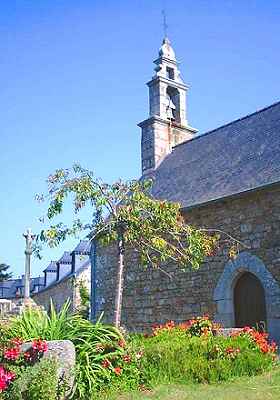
[[152, 297]]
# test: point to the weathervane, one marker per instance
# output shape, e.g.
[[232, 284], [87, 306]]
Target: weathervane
[[164, 24]]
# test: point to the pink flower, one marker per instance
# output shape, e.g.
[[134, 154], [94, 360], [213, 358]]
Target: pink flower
[[10, 375], [5, 378]]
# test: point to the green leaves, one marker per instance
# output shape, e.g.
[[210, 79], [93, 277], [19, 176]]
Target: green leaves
[[154, 228]]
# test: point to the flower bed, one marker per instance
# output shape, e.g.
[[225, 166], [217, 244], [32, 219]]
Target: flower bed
[[195, 352], [107, 360]]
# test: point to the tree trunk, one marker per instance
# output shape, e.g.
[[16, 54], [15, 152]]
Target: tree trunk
[[120, 280]]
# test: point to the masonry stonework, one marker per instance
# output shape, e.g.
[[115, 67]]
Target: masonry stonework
[[60, 292], [151, 296]]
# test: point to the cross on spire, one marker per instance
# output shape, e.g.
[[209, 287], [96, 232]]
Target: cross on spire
[[164, 24]]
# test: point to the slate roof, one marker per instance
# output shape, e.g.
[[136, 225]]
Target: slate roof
[[82, 267], [9, 288], [38, 281], [83, 247], [52, 267], [239, 156], [66, 258]]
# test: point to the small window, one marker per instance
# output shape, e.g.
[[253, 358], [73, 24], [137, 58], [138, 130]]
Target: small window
[[170, 73]]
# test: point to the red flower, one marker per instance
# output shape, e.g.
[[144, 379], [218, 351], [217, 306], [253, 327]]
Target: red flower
[[127, 358], [229, 350], [27, 356], [39, 345], [205, 331], [3, 384], [12, 354], [247, 329], [16, 342], [106, 363], [118, 370], [273, 347], [170, 325], [121, 343]]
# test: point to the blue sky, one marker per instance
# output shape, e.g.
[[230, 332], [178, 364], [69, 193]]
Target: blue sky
[[72, 79]]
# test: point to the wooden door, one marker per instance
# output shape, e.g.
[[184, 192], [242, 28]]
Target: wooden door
[[249, 302]]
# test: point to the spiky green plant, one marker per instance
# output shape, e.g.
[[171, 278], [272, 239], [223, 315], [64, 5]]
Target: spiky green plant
[[63, 325], [34, 323]]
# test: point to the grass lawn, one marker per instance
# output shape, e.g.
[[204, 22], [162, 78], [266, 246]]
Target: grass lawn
[[264, 387]]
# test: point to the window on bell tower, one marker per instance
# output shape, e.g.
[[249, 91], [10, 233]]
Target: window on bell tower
[[170, 73]]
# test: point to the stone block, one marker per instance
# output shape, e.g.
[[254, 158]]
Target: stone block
[[63, 352]]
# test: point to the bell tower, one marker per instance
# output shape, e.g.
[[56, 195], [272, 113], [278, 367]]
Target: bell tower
[[167, 124]]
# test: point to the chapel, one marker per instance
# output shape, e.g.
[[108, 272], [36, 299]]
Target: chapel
[[228, 179]]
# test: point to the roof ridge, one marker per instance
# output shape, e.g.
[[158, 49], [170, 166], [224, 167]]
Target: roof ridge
[[228, 123]]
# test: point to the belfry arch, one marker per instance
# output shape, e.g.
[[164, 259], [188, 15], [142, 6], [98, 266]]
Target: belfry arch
[[173, 104], [224, 293]]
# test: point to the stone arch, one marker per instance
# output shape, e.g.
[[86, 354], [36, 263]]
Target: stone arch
[[173, 94], [223, 293]]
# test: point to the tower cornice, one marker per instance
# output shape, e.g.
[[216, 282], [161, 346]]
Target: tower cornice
[[157, 119], [169, 82], [161, 59]]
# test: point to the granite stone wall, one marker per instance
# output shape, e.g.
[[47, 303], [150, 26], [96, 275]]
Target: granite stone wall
[[151, 296]]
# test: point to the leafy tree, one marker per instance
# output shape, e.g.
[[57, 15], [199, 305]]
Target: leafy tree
[[125, 214], [4, 275]]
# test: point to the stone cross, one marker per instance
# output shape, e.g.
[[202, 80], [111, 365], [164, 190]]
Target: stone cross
[[29, 237]]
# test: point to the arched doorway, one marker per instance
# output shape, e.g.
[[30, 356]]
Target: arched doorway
[[249, 302]]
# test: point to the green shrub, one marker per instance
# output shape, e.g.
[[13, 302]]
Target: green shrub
[[182, 354], [38, 382]]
